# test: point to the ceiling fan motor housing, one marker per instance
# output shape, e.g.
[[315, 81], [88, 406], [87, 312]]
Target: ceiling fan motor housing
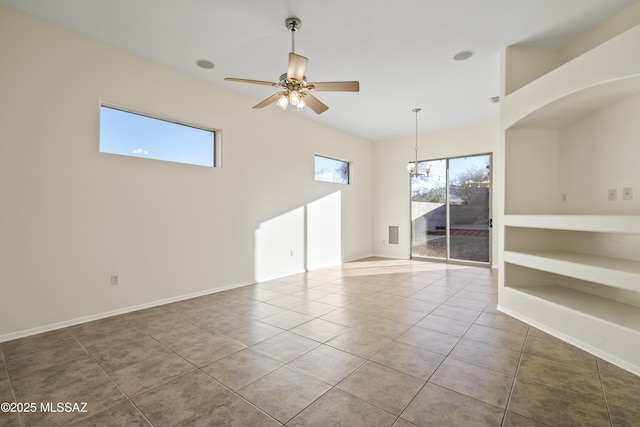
[[293, 24]]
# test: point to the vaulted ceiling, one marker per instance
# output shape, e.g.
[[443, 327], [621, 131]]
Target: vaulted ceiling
[[401, 51]]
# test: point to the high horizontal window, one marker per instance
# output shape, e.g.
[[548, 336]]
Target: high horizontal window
[[132, 134], [332, 170]]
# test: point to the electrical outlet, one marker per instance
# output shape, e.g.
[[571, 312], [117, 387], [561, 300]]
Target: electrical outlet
[[627, 193], [564, 197], [612, 195], [115, 279]]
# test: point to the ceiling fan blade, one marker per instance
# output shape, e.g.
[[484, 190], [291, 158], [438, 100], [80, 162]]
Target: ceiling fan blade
[[255, 82], [270, 100], [297, 67], [313, 103], [336, 86]]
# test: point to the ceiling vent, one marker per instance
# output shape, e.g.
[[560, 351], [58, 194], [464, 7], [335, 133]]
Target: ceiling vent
[[494, 99]]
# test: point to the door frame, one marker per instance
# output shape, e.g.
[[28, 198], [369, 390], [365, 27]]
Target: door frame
[[448, 259]]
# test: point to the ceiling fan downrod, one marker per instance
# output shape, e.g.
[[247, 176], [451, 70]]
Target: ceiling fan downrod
[[293, 25]]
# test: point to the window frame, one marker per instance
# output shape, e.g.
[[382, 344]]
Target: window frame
[[216, 134], [349, 180]]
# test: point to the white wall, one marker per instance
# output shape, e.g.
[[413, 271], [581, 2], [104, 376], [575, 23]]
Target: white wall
[[391, 204], [70, 216]]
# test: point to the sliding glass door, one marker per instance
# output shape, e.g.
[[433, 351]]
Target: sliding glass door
[[450, 209]]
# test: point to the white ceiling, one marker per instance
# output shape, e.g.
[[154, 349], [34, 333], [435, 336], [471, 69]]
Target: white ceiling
[[401, 51]]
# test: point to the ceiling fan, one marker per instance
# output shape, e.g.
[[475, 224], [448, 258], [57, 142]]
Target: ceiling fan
[[295, 87]]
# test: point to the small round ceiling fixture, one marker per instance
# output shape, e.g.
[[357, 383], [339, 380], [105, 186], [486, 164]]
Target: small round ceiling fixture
[[203, 63], [463, 55]]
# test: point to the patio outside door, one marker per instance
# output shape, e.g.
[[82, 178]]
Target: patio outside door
[[450, 209]]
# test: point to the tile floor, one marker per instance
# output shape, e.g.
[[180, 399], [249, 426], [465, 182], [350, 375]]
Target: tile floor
[[370, 343]]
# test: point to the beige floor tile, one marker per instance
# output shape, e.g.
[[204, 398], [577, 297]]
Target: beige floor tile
[[336, 300], [288, 301], [562, 376], [220, 320], [401, 314], [46, 357], [444, 324], [475, 295], [429, 340], [36, 343], [337, 408], [253, 332], [515, 420], [232, 412], [98, 392], [94, 343], [264, 295], [165, 325], [560, 351], [383, 328], [180, 398], [286, 346], [556, 407], [359, 342], [313, 308], [312, 294], [411, 360], [418, 305], [287, 319], [202, 347], [123, 414], [456, 313], [438, 406], [76, 372], [346, 317], [403, 423], [624, 417], [486, 355], [430, 296], [484, 384], [502, 321], [319, 330], [328, 364], [471, 304], [6, 393], [151, 372], [383, 387], [9, 419], [622, 390], [242, 368], [259, 310], [497, 337], [284, 392], [129, 353], [399, 323]]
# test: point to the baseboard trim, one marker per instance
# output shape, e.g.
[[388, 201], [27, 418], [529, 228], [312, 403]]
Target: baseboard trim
[[598, 352], [71, 322]]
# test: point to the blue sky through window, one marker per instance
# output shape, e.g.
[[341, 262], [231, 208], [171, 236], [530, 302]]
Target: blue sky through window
[[136, 135], [331, 170]]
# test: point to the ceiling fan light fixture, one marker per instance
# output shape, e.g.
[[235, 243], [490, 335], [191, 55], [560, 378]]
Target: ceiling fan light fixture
[[283, 102], [294, 97], [301, 104]]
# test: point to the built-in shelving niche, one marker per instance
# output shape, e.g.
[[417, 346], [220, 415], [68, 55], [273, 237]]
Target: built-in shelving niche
[[570, 258]]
